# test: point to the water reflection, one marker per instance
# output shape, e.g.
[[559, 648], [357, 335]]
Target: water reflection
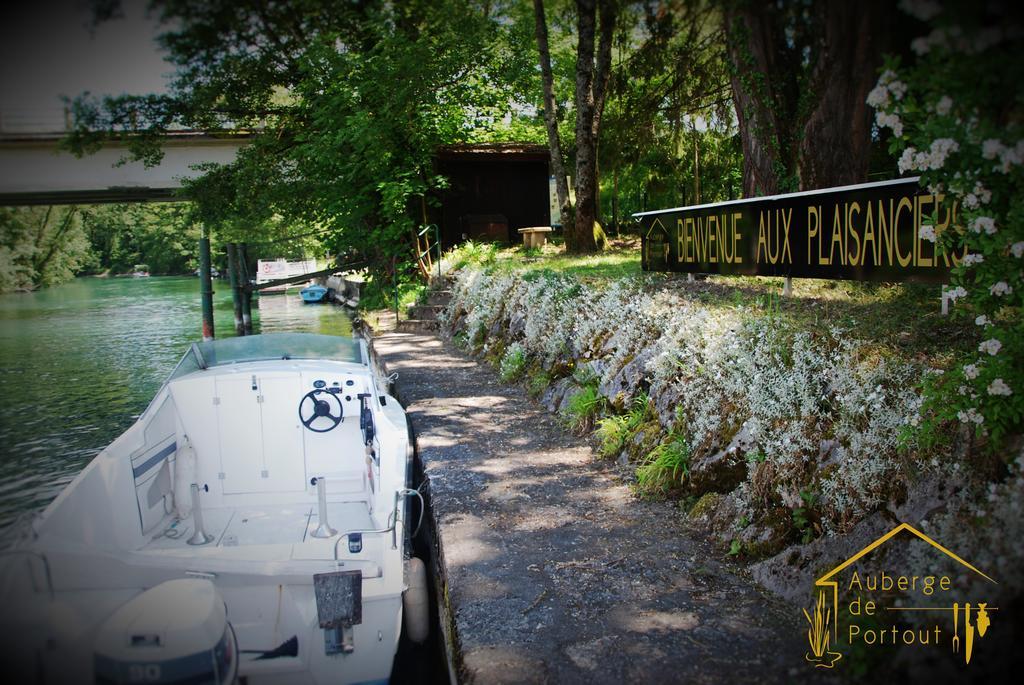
[[80, 361]]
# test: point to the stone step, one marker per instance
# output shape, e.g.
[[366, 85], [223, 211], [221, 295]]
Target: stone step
[[425, 311], [417, 325], [439, 297]]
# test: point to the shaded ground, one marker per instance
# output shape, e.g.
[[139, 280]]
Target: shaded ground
[[555, 572]]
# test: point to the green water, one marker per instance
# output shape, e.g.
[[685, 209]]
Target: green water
[[79, 362]]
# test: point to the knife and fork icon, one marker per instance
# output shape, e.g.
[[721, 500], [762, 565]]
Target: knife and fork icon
[[981, 625]]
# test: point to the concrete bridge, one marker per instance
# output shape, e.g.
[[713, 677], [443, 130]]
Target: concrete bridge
[[34, 171]]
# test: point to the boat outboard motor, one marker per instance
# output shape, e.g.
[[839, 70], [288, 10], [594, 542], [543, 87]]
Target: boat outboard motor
[[176, 632]]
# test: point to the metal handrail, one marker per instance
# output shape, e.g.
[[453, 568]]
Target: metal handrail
[[437, 244]]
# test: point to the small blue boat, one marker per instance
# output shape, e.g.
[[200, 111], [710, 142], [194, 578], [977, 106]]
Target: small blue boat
[[313, 294]]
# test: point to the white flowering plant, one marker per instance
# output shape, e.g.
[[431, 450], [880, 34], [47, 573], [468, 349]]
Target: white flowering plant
[[803, 411], [955, 113]]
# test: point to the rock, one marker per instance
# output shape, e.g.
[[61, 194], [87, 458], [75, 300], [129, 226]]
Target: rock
[[767, 535], [593, 367], [928, 496], [517, 324], [629, 380], [495, 331], [791, 573], [830, 453], [666, 401], [718, 514], [724, 470], [556, 394]]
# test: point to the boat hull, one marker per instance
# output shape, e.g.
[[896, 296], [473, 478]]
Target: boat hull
[[313, 294]]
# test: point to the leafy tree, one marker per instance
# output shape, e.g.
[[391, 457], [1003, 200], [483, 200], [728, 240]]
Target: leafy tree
[[595, 29], [160, 235], [345, 104], [40, 246], [669, 134]]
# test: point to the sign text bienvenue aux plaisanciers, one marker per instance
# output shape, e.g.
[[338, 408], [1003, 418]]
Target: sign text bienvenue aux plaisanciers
[[867, 232]]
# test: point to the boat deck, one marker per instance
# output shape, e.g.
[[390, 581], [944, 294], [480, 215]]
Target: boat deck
[[264, 525]]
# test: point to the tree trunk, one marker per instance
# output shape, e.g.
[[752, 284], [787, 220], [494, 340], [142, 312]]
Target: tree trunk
[[763, 90], [591, 90], [804, 127], [836, 143], [551, 118]]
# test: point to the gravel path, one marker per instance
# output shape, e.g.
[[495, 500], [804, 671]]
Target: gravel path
[[556, 573]]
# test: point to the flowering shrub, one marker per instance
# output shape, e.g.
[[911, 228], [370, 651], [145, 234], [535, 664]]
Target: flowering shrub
[[955, 114], [513, 363], [815, 415]]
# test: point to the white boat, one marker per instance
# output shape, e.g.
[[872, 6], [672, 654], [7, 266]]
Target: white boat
[[249, 527]]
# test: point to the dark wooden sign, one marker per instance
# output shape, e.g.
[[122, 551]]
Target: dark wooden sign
[[867, 232]]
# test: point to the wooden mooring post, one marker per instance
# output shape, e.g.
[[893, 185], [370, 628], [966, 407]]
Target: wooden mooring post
[[206, 286], [243, 262], [236, 286]]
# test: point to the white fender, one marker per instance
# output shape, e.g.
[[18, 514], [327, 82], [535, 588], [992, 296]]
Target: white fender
[[415, 601], [184, 476]]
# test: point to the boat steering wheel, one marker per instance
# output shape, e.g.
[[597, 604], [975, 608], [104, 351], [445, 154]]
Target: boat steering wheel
[[311, 408]]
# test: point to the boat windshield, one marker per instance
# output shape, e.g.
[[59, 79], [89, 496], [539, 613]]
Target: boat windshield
[[268, 346]]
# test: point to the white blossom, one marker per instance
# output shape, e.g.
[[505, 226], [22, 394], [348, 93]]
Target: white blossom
[[971, 415], [999, 387], [1001, 288], [991, 346], [992, 148], [971, 371], [973, 258], [982, 320], [984, 223], [927, 232], [906, 161], [956, 293], [887, 120], [944, 105], [879, 97], [1017, 249], [984, 195]]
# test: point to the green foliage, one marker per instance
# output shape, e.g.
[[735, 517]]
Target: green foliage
[[615, 431], [345, 105], [583, 407], [537, 382], [669, 114], [666, 466], [159, 235], [471, 253], [513, 363], [803, 516], [956, 117], [41, 246]]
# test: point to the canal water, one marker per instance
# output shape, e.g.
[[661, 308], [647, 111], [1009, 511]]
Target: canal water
[[79, 362]]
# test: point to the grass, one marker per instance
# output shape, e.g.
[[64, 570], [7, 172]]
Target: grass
[[584, 407], [615, 431], [665, 467], [902, 318]]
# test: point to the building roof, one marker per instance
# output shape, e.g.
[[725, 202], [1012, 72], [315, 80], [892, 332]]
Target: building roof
[[518, 152]]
